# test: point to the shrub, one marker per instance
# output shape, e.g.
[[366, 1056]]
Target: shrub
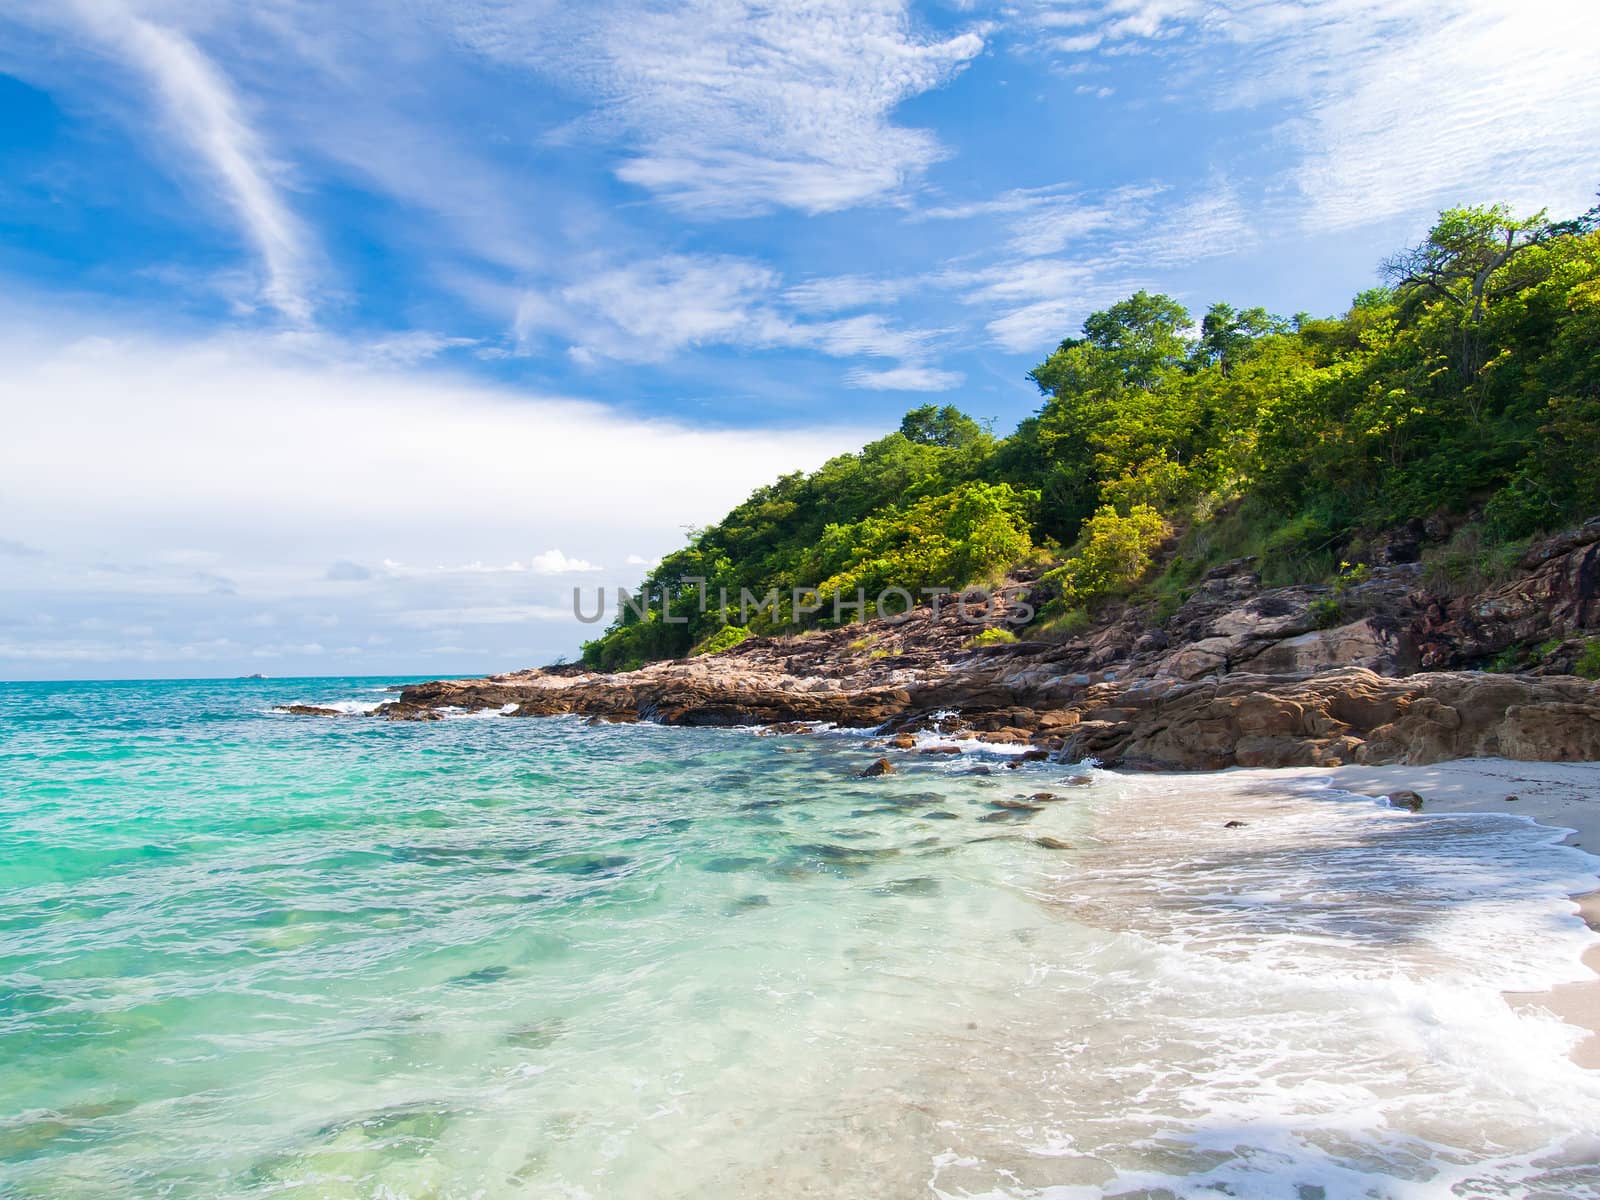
[[1325, 612], [992, 637], [1588, 664], [1058, 624], [1351, 575], [1115, 553], [725, 638]]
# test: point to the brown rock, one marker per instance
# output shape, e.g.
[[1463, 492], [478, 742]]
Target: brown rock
[[399, 710], [882, 767], [785, 727]]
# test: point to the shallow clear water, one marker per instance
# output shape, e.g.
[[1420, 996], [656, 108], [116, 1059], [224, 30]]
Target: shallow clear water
[[250, 954]]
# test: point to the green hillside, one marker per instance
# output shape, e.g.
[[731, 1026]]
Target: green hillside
[[1469, 384]]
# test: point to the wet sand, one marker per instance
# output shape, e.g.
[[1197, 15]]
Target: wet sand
[[1566, 795]]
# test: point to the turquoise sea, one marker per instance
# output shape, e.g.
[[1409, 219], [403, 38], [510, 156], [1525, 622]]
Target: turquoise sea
[[246, 954]]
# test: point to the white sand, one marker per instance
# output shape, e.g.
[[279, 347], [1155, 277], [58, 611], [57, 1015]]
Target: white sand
[[1560, 794]]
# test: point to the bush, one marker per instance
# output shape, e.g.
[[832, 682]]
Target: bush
[[992, 637], [1115, 553], [1588, 664], [1325, 612], [1523, 507], [1468, 563], [725, 638], [1058, 624]]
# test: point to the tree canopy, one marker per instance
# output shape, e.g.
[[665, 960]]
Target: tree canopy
[[1469, 381]]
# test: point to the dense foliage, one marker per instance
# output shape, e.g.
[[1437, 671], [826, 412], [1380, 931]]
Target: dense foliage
[[1470, 381]]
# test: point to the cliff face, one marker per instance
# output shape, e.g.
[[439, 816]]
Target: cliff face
[[1238, 675]]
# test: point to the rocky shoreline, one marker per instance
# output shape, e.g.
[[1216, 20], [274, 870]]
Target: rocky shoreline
[[1237, 675]]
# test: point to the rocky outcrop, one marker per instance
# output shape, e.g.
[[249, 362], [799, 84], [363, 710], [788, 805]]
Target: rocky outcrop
[[1237, 675], [1556, 597], [1335, 717]]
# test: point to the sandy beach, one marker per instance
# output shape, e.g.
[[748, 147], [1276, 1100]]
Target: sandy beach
[[1566, 795]]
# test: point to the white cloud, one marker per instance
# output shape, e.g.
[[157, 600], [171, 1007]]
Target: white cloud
[[864, 334], [291, 461], [1412, 106], [1048, 220], [206, 115], [905, 379], [736, 107], [340, 449], [647, 311], [1395, 107], [553, 562], [1040, 325], [650, 310], [1118, 241], [840, 293]]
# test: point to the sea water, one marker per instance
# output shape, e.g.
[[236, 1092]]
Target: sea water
[[247, 954]]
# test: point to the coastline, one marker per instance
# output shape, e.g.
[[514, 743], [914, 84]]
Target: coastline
[[1563, 795]]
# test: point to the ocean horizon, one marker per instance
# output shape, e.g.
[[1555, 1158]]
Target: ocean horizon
[[254, 954]]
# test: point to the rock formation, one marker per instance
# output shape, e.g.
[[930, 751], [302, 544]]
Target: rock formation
[[1238, 675]]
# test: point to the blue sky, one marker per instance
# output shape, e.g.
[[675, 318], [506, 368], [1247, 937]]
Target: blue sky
[[349, 338]]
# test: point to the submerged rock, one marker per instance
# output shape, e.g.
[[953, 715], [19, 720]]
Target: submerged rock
[[1023, 812], [400, 710], [786, 727], [882, 767], [1405, 798]]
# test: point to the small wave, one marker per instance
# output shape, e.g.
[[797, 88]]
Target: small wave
[[351, 708]]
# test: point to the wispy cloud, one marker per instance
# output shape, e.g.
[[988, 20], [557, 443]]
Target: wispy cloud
[[841, 293], [1048, 220], [1394, 106], [205, 115], [648, 311], [1071, 252], [734, 107], [905, 379]]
